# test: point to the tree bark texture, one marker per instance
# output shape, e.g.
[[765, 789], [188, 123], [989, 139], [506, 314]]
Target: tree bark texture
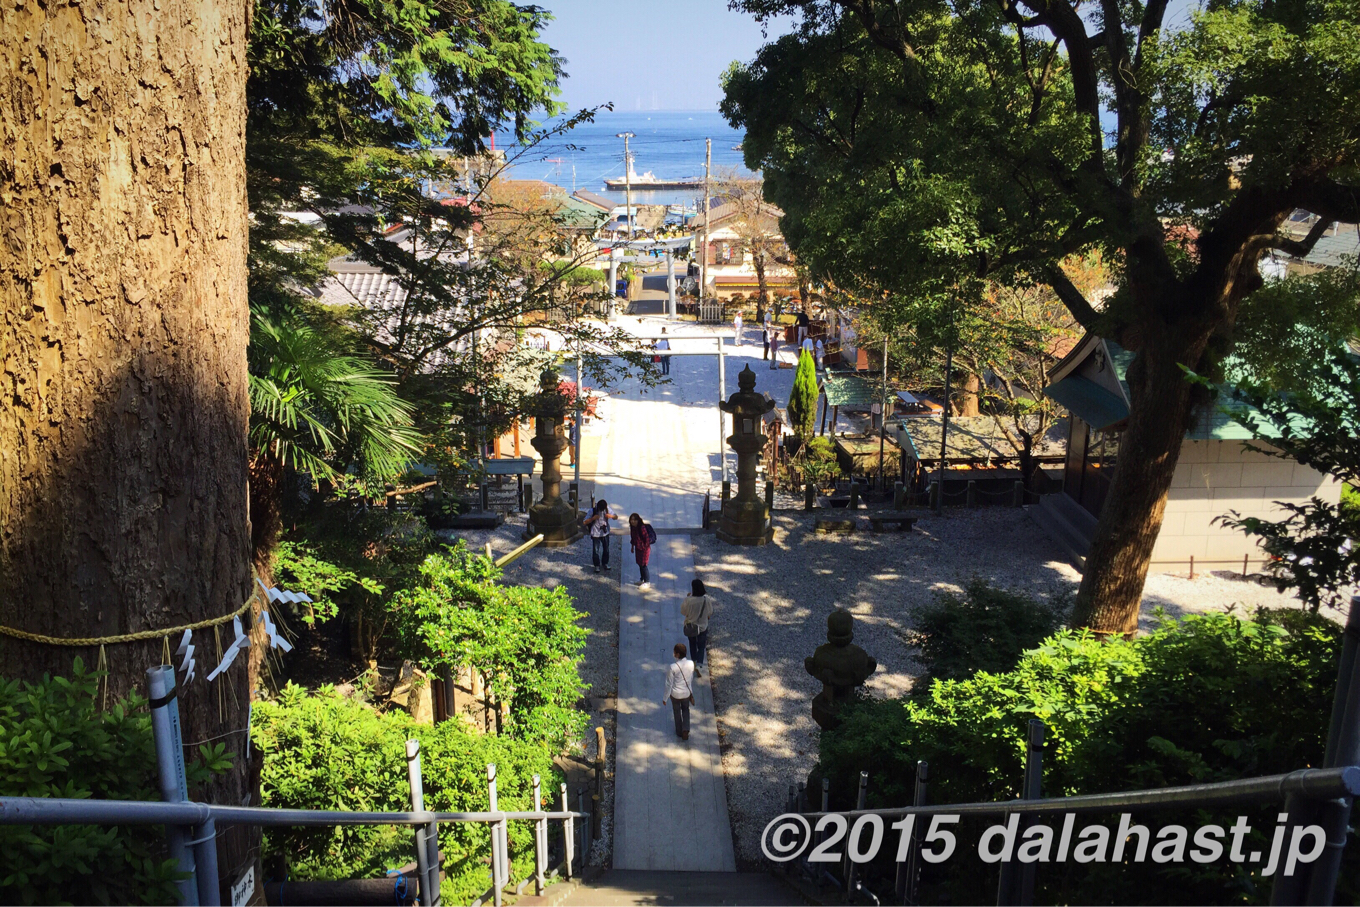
[[1111, 592], [123, 332], [758, 261], [970, 388]]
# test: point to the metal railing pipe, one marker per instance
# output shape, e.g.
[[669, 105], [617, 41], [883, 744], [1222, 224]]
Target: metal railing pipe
[[1287, 890], [204, 847], [498, 878], [1310, 783], [72, 811], [909, 871], [568, 836], [427, 837], [165, 732], [848, 868], [540, 840]]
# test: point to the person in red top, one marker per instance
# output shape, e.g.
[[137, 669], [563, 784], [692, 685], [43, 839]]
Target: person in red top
[[642, 536]]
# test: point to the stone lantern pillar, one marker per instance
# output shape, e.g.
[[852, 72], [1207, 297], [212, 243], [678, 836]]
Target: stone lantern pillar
[[559, 524], [840, 665], [745, 517]]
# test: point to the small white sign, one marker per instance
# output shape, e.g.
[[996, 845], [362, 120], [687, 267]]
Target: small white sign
[[244, 888]]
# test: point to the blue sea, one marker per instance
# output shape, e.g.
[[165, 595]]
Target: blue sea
[[667, 142]]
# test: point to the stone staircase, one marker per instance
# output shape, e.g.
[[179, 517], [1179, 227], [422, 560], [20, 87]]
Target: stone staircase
[[1067, 523], [645, 886]]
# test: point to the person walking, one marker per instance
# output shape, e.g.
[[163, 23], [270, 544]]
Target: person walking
[[662, 346], [573, 441], [641, 536], [680, 690], [804, 323], [774, 348], [765, 336], [820, 352], [598, 525], [696, 609], [736, 329]]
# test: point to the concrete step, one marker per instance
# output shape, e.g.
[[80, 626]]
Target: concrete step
[[1066, 523], [645, 886]]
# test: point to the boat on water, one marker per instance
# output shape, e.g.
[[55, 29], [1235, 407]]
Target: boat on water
[[650, 180]]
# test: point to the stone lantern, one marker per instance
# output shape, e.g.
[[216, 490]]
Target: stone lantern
[[840, 665], [553, 517], [745, 518]]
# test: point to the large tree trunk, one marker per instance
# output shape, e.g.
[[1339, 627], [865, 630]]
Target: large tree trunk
[[1111, 592], [758, 260], [966, 401], [124, 330]]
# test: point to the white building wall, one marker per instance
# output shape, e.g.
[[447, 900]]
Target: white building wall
[[1214, 477]]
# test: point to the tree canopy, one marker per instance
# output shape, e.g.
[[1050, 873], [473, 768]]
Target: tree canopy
[[920, 146]]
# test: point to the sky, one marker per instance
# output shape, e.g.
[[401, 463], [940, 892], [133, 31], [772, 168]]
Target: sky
[[649, 54]]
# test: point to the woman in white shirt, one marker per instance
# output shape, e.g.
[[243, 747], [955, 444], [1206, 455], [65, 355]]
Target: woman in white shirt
[[680, 690], [696, 609]]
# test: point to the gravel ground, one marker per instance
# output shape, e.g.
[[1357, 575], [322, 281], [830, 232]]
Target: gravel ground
[[771, 609], [597, 597]]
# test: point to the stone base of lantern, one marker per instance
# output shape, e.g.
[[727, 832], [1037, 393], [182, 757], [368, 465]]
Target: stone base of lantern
[[557, 522], [745, 523]]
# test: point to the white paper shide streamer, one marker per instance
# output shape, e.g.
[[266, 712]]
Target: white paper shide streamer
[[186, 652], [239, 640]]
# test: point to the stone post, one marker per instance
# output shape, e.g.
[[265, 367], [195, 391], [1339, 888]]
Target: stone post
[[745, 518], [553, 517]]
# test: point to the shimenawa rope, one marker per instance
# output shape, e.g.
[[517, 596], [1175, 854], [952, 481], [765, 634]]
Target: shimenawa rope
[[127, 637]]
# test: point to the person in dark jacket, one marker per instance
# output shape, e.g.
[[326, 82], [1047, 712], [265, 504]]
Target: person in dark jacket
[[641, 536]]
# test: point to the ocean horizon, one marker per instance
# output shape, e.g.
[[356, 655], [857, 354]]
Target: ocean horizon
[[669, 143]]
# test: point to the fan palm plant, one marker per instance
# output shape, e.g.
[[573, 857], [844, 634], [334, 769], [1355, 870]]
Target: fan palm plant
[[318, 410]]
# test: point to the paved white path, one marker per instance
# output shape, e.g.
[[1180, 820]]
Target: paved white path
[[658, 454]]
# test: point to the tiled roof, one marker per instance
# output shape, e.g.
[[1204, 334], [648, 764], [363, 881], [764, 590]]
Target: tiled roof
[[368, 288], [1332, 251], [595, 199]]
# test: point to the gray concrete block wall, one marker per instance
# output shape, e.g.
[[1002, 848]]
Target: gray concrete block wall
[[1214, 477]]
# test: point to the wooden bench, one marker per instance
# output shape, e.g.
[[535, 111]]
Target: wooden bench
[[903, 520]]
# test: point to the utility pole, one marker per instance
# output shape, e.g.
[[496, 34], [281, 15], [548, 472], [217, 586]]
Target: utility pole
[[883, 415], [944, 425], [703, 252], [628, 178]]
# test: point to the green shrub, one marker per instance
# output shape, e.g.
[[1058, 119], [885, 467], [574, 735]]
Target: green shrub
[[55, 742], [984, 629], [326, 751], [523, 639], [817, 461], [802, 408], [1207, 698]]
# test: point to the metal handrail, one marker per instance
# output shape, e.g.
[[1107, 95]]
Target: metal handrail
[[1309, 783], [68, 811]]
